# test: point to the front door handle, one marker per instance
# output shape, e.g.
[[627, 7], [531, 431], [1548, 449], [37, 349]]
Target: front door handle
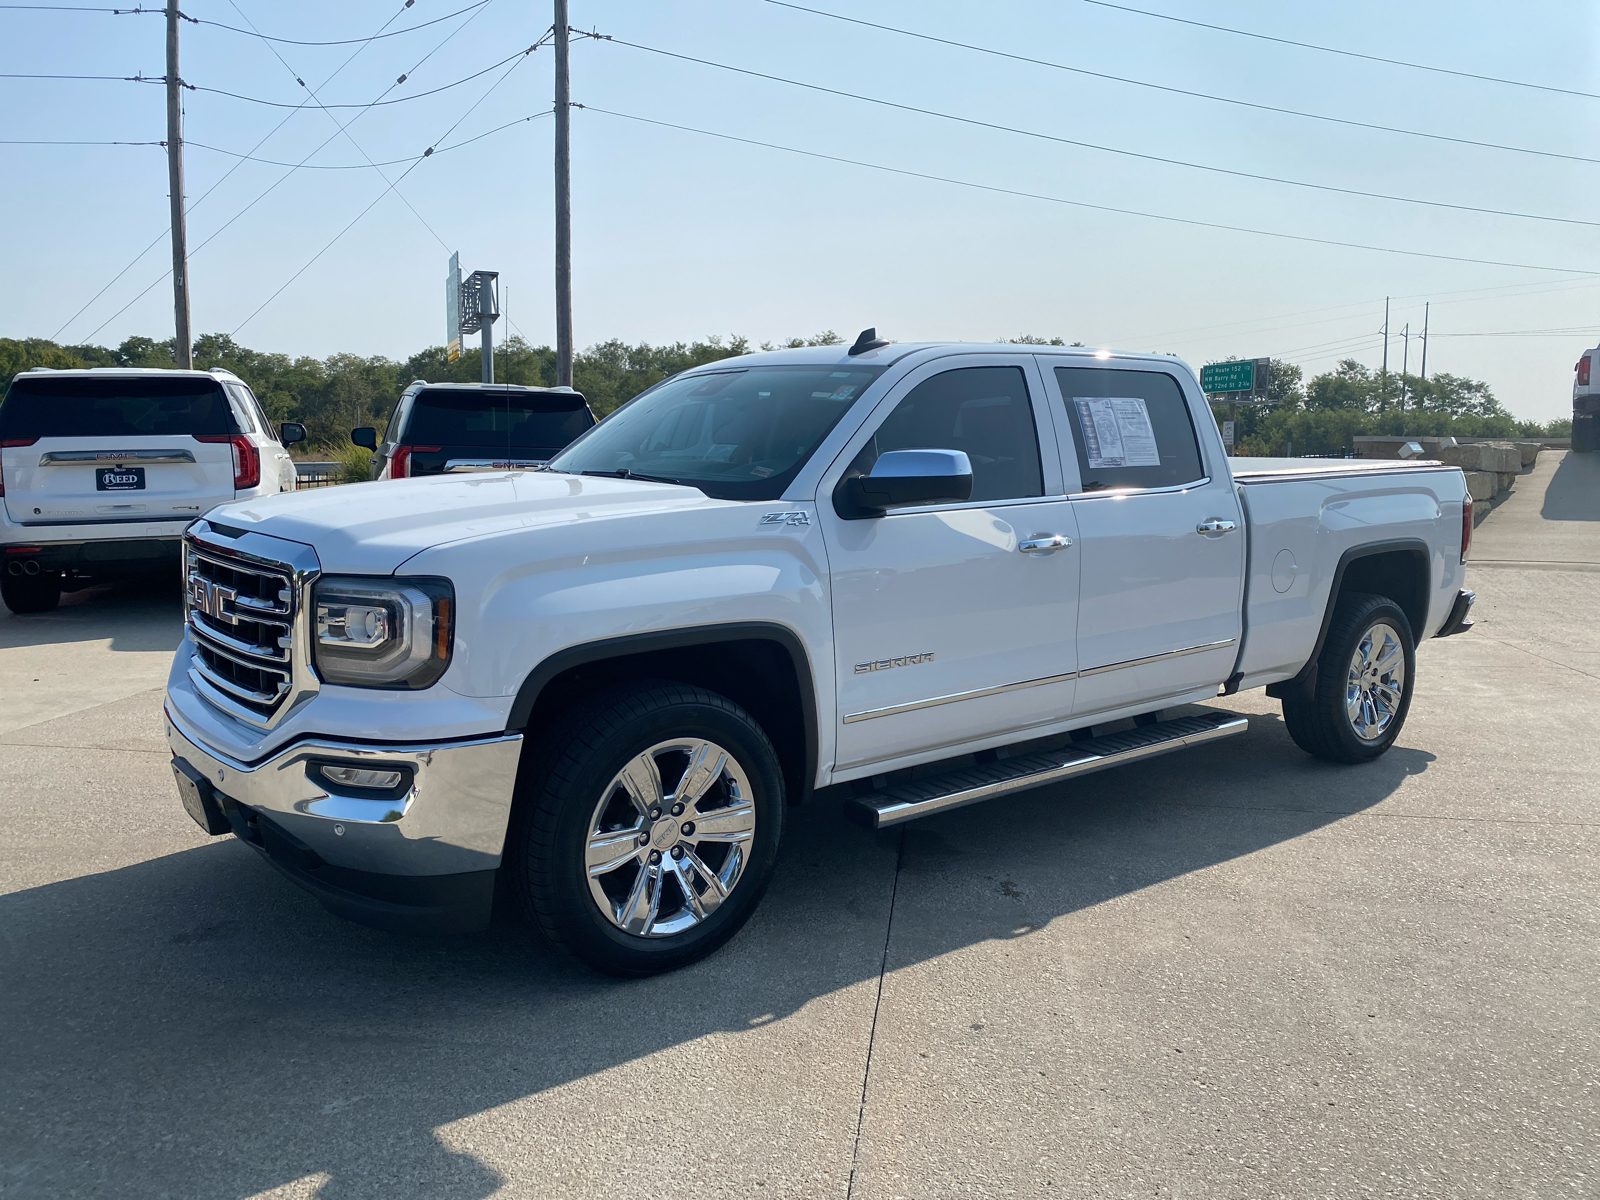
[[1045, 543], [1215, 527]]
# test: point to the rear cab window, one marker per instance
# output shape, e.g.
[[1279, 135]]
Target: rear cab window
[[45, 406], [508, 420], [1130, 429]]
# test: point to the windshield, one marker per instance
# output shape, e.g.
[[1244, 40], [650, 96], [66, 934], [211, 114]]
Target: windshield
[[515, 420], [736, 435], [73, 406]]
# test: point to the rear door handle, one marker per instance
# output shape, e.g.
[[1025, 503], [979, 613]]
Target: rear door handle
[[1215, 527], [1046, 543]]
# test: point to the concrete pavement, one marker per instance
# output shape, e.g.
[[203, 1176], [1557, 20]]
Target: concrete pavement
[[1232, 973]]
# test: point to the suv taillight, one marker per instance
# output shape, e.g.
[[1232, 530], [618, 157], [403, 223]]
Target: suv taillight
[[6, 445], [246, 459], [1466, 527], [1583, 371], [400, 459]]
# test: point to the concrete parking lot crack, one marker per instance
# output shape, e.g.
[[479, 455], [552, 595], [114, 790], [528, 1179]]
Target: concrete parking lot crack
[[877, 1004], [163, 752], [1340, 812], [1542, 658]]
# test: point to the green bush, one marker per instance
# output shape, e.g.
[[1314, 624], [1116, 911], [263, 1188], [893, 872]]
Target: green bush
[[355, 462]]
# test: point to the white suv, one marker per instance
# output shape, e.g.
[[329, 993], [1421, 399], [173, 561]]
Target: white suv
[[102, 470]]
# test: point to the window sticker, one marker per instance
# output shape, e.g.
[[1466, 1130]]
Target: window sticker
[[1117, 432]]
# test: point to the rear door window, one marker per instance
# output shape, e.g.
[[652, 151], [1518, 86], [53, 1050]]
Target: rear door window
[[39, 406], [506, 420], [1130, 429]]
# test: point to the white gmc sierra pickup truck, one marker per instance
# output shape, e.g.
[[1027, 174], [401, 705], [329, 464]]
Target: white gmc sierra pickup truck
[[919, 575]]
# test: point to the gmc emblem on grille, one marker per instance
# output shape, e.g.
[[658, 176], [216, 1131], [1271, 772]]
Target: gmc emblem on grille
[[208, 597]]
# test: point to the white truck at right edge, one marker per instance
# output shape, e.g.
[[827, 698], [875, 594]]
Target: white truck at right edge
[[920, 576]]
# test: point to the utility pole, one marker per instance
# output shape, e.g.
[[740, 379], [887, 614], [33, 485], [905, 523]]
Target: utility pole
[[1405, 363], [1425, 309], [183, 342], [1383, 378], [563, 116]]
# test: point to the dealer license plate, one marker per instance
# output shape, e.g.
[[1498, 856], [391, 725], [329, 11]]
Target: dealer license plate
[[119, 479]]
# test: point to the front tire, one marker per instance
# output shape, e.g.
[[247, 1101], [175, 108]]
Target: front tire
[[31, 593], [648, 827], [1364, 680]]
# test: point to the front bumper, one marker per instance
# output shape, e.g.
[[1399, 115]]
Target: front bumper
[[420, 857]]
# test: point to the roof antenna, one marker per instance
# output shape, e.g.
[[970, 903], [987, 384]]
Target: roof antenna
[[869, 340]]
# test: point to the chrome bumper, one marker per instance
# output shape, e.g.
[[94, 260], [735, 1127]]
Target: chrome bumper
[[448, 816]]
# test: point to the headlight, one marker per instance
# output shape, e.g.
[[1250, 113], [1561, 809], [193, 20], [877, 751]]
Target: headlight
[[383, 633]]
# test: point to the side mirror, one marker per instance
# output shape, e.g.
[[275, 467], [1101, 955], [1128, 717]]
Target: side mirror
[[902, 477], [365, 436], [291, 432]]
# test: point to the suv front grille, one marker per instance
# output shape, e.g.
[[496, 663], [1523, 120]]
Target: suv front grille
[[241, 617]]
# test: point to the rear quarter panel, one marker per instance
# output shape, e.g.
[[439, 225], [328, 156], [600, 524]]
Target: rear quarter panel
[[1300, 528]]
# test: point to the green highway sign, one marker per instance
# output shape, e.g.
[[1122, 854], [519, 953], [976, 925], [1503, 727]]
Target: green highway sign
[[1228, 377]]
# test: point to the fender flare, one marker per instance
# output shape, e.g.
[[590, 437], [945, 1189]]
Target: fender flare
[[1302, 685], [676, 639]]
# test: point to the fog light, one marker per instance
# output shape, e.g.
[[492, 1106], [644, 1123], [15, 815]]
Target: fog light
[[361, 777]]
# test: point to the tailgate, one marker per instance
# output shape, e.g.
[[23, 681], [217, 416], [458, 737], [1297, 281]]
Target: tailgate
[[60, 480]]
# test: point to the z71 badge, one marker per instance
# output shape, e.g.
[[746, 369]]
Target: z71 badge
[[786, 518]]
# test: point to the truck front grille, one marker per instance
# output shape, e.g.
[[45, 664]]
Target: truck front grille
[[241, 615]]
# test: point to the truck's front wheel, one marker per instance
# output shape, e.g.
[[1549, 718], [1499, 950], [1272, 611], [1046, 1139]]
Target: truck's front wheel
[[649, 829], [1364, 680]]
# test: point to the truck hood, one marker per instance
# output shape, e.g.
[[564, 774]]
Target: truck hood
[[372, 528]]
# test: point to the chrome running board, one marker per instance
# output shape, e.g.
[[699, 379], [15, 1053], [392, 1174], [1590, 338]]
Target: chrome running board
[[985, 781]]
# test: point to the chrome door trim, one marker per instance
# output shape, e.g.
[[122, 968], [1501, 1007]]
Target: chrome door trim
[[979, 693], [60, 458], [1152, 658], [1106, 493], [935, 701]]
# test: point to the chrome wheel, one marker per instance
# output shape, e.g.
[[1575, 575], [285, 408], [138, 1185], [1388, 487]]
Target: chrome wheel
[[1376, 681], [669, 837]]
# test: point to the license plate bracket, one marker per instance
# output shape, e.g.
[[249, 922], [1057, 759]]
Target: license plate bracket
[[199, 798], [119, 479]]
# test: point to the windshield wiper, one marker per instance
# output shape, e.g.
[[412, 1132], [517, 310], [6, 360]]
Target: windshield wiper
[[624, 473]]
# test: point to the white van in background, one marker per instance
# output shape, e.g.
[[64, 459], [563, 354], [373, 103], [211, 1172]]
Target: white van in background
[[102, 470]]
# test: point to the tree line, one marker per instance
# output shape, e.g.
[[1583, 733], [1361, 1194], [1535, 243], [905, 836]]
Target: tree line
[[336, 394]]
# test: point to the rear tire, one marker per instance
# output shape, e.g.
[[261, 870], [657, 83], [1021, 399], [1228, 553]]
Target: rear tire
[[31, 593], [647, 827], [1365, 675]]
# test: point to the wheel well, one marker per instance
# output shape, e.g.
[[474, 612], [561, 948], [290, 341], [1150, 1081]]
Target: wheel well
[[758, 674], [1398, 570], [1401, 575]]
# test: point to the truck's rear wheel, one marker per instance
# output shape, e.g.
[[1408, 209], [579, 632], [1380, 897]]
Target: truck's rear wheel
[[649, 829], [25, 593], [1364, 679]]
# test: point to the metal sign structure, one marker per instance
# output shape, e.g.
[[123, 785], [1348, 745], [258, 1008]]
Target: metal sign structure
[[452, 310], [1242, 381], [471, 305]]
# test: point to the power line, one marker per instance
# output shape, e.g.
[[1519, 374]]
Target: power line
[[354, 54], [1393, 62], [11, 143], [252, 32], [1128, 212], [374, 103], [361, 166], [392, 186], [348, 137], [1178, 91], [1049, 137]]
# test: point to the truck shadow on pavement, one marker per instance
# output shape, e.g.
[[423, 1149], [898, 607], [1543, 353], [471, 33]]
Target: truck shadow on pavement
[[136, 615], [194, 1025], [1574, 490]]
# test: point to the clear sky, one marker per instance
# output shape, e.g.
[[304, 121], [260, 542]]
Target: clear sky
[[678, 235]]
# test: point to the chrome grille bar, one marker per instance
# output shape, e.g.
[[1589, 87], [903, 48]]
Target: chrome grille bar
[[244, 613]]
